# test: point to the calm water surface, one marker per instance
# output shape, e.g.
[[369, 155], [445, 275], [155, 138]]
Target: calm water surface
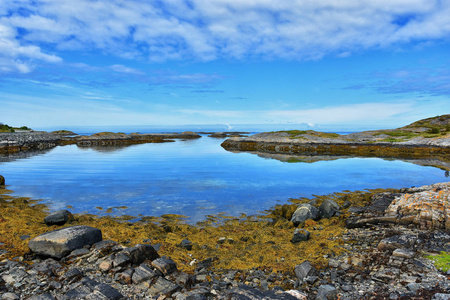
[[193, 178]]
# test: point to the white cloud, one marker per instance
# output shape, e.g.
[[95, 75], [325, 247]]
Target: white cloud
[[15, 57], [209, 29]]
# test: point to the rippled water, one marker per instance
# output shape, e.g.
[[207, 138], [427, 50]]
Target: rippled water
[[193, 178]]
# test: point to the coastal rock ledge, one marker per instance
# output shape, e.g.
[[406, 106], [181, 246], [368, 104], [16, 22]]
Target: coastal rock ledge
[[426, 208]]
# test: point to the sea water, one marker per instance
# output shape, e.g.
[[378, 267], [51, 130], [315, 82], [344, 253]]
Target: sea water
[[192, 178]]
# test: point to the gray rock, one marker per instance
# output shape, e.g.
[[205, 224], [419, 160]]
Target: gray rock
[[9, 296], [250, 293], [61, 242], [165, 265], [24, 237], [304, 270], [397, 241], [41, 297], [59, 217], [141, 252], [143, 273], [403, 253], [120, 259], [440, 296], [303, 213], [326, 292], [163, 286], [328, 208], [72, 274], [104, 291], [300, 235], [126, 276], [413, 287], [15, 275]]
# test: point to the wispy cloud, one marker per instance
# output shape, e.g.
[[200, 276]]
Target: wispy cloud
[[210, 29], [126, 70], [363, 113], [166, 78]]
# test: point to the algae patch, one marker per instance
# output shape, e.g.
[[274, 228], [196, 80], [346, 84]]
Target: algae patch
[[240, 243]]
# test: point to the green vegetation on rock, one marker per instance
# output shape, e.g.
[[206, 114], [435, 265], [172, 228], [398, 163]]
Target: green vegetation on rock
[[298, 134], [7, 128], [441, 261]]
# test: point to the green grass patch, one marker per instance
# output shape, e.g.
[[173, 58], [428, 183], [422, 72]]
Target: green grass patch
[[398, 133], [441, 261], [295, 134]]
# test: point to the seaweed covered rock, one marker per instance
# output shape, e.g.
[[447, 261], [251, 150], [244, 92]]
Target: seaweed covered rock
[[300, 235], [61, 242], [303, 213]]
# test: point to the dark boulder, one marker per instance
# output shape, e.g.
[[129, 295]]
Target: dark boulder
[[300, 235], [2, 180], [328, 208], [59, 217], [187, 244], [140, 253], [61, 242], [303, 213]]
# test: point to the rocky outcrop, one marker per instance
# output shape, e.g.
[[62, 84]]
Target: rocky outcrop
[[2, 181], [29, 141], [34, 141], [426, 207], [228, 134], [61, 242]]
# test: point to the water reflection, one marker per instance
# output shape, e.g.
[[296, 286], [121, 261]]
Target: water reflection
[[427, 162], [195, 178]]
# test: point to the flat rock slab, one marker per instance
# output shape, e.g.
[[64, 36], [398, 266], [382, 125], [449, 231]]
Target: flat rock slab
[[61, 242]]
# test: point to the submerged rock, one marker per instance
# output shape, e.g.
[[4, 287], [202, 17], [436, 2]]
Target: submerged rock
[[61, 242]]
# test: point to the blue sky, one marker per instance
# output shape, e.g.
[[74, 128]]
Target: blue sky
[[321, 64]]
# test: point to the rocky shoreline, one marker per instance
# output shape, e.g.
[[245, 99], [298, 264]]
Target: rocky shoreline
[[384, 257], [422, 139], [35, 141]]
